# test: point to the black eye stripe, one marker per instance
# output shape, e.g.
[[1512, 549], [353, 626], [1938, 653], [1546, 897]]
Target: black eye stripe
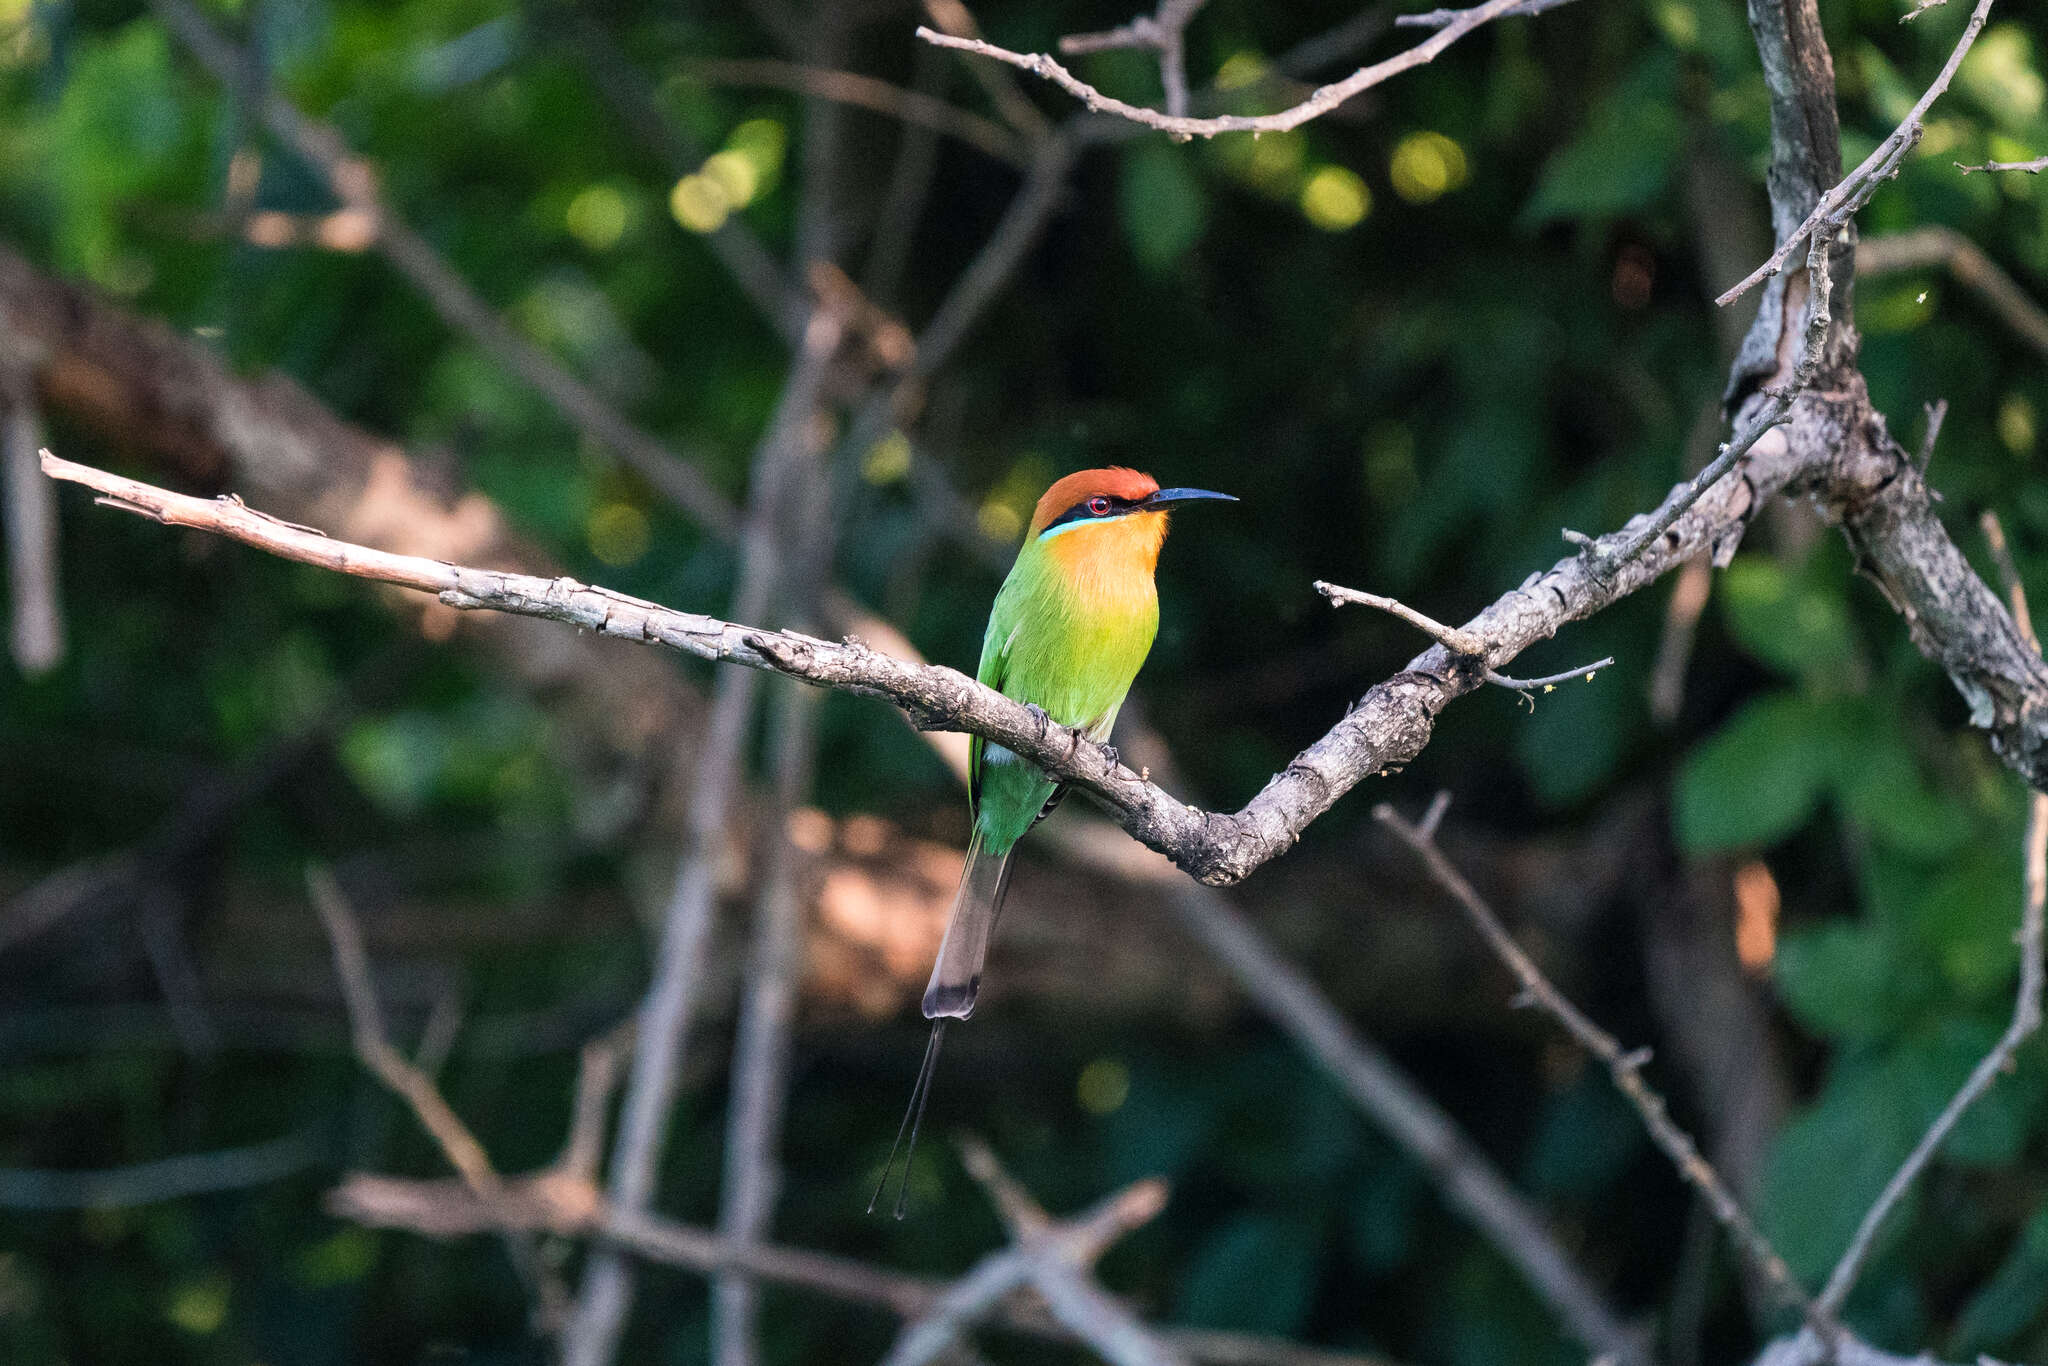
[[1081, 511]]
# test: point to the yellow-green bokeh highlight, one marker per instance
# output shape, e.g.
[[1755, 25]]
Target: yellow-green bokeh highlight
[[731, 178], [1335, 198], [1426, 166], [1103, 1086], [619, 533], [598, 217]]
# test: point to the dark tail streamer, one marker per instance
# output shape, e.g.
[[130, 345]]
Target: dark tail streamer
[[913, 1123]]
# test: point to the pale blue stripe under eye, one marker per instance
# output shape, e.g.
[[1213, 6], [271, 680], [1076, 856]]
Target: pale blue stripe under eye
[[1065, 527]]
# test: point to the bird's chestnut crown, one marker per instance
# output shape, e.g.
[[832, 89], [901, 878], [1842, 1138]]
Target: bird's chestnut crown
[[1107, 495]]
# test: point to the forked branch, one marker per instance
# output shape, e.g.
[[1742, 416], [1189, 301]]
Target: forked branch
[[1319, 102]]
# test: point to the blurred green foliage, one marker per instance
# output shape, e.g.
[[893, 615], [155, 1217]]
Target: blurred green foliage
[[1418, 337]]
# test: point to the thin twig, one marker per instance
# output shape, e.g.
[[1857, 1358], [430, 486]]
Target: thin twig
[[1855, 189], [2034, 167], [1524, 685], [867, 92], [166, 1178], [1463, 642], [1777, 404], [1164, 31], [1451, 638], [1017, 110], [2026, 1011], [540, 1203], [597, 1075], [1054, 1257], [1624, 1067], [1320, 102], [1966, 263], [1471, 1184], [1437, 18], [354, 182], [1937, 413], [402, 1078]]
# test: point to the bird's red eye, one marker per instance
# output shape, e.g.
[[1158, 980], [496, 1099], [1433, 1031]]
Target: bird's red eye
[[1098, 506]]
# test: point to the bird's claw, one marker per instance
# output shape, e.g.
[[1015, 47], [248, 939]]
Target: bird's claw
[[1109, 753], [1043, 717]]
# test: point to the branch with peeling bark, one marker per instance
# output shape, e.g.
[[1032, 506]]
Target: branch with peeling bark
[[1954, 618], [1854, 190]]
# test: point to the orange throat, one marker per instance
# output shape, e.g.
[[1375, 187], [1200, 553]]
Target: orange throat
[[1111, 560]]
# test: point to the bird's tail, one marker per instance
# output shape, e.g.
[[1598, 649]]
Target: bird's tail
[[956, 977], [955, 980]]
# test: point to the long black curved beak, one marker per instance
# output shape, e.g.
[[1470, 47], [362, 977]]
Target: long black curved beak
[[1168, 497]]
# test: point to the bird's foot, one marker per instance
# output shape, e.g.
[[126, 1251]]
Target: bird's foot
[[1109, 753], [1043, 717]]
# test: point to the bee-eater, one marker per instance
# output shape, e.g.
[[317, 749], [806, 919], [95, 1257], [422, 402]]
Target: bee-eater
[[1069, 630]]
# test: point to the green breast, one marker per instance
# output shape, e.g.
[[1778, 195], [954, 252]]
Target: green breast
[[1070, 645]]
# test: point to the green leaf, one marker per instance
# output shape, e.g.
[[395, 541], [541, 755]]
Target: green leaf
[[1836, 979], [1621, 161], [1829, 1164], [1966, 919], [1759, 778], [1880, 787], [1799, 627], [1162, 203]]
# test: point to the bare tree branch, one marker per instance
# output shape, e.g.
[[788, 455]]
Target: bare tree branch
[[166, 1178], [760, 1060], [1470, 1182], [2026, 1011], [868, 92], [1045, 1252], [354, 182], [1924, 248], [383, 1061], [2034, 167], [1317, 104], [1437, 18], [447, 1209], [35, 612], [592, 1335], [1839, 204], [1165, 32], [1953, 618], [1451, 638], [1626, 1068]]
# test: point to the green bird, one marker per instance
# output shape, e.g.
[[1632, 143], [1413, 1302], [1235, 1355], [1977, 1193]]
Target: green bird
[[1069, 631]]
